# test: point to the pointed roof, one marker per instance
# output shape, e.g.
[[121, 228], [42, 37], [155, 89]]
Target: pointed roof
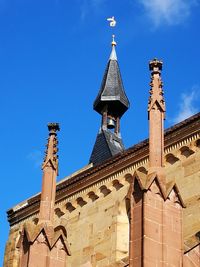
[[113, 55], [107, 145], [112, 91]]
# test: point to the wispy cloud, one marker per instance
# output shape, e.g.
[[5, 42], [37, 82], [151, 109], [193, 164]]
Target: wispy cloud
[[187, 105], [90, 6], [36, 157], [168, 12]]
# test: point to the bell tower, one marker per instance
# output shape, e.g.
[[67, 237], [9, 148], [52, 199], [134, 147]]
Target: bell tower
[[111, 103]]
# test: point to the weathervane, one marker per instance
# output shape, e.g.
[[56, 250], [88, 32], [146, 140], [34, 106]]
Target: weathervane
[[112, 23]]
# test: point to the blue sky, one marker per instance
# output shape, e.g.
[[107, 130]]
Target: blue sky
[[52, 58]]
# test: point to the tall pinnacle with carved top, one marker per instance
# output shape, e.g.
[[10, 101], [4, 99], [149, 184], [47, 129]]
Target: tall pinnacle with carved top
[[44, 243], [156, 114], [50, 171]]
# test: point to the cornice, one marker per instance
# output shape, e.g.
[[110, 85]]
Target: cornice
[[130, 159]]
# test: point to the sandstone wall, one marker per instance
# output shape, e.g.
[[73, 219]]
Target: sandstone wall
[[96, 218]]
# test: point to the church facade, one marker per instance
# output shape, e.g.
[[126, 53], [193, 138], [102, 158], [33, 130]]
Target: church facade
[[136, 207]]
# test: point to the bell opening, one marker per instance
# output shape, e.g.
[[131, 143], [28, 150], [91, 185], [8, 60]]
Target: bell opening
[[110, 123]]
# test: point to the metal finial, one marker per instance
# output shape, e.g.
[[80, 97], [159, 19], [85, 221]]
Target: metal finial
[[113, 55], [112, 24], [113, 41]]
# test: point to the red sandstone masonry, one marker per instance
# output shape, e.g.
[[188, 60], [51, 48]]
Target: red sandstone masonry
[[192, 258], [156, 114], [38, 254], [136, 229], [58, 255], [153, 227], [156, 229], [172, 232]]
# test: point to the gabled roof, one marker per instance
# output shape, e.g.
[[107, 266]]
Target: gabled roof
[[107, 145], [112, 90]]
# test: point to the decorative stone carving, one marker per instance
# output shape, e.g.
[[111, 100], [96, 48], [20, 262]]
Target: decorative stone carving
[[198, 143], [59, 212], [81, 202], [171, 159], [104, 190], [186, 151], [70, 207], [92, 196], [143, 170], [117, 185]]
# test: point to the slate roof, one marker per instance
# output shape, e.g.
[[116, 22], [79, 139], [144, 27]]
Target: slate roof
[[112, 90], [107, 145]]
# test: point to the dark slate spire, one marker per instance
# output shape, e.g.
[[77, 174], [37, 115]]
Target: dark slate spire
[[112, 91], [111, 102]]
